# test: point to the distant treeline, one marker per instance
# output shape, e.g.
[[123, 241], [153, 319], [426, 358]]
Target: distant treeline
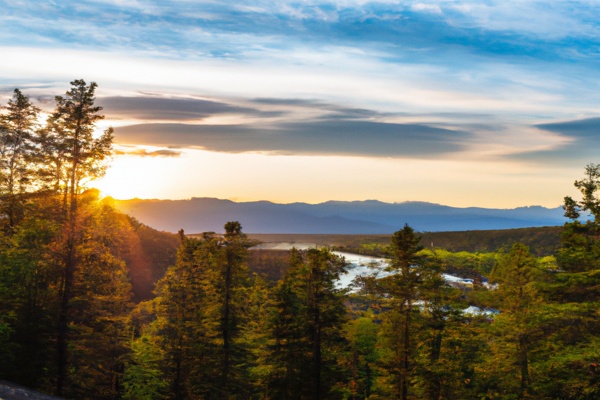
[[543, 241]]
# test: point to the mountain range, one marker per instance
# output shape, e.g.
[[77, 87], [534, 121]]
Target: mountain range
[[197, 215]]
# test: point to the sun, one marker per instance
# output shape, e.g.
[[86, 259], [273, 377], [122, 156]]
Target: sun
[[129, 177]]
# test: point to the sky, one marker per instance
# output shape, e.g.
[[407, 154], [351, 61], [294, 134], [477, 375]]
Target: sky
[[492, 103]]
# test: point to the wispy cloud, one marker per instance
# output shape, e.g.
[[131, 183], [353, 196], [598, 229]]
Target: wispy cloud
[[123, 151], [190, 29], [357, 138], [165, 108], [581, 142]]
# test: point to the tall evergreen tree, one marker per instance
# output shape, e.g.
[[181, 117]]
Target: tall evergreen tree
[[232, 277], [100, 303], [519, 303], [202, 307], [181, 321], [402, 287], [72, 126], [307, 327], [28, 302], [410, 276], [363, 356], [17, 155], [256, 338], [580, 241]]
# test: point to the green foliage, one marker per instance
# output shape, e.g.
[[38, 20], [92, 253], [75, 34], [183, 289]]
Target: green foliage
[[416, 323], [519, 301], [27, 299], [580, 247], [464, 264], [588, 186], [580, 244], [255, 335], [143, 378], [272, 264], [363, 356], [543, 241], [308, 316], [17, 156], [202, 309]]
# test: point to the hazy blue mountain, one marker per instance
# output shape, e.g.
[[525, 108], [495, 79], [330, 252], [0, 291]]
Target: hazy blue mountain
[[355, 217]]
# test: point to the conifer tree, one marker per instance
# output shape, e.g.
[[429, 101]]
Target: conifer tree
[[363, 356], [100, 303], [580, 241], [410, 276], [307, 327], [18, 127], [256, 338], [71, 127], [181, 322], [232, 277], [402, 285], [202, 307]]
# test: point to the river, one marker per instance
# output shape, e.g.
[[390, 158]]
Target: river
[[360, 265]]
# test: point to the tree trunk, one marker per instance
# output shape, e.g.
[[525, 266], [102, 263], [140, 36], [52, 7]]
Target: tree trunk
[[317, 356], [405, 354], [225, 328], [63, 317], [523, 364]]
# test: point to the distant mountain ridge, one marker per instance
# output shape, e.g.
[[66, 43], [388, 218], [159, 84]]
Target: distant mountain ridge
[[353, 217]]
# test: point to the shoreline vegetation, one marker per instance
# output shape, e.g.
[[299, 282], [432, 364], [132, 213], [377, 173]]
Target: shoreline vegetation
[[96, 305]]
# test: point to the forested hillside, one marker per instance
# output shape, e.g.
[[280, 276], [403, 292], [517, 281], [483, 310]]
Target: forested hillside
[[94, 305], [543, 241]]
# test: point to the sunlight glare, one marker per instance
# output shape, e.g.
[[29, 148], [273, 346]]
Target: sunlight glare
[[133, 176]]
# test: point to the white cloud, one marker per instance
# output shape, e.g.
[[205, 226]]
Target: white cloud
[[433, 8], [552, 20]]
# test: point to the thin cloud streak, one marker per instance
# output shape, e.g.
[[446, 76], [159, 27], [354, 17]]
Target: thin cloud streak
[[355, 138], [176, 109], [146, 153]]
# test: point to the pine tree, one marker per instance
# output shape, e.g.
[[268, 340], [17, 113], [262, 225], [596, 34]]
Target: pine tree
[[363, 355], [402, 287], [307, 326], [516, 329], [17, 155], [72, 125], [231, 278], [99, 302], [411, 335], [202, 307], [180, 322]]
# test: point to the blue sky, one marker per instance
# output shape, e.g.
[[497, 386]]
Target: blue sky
[[466, 103]]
